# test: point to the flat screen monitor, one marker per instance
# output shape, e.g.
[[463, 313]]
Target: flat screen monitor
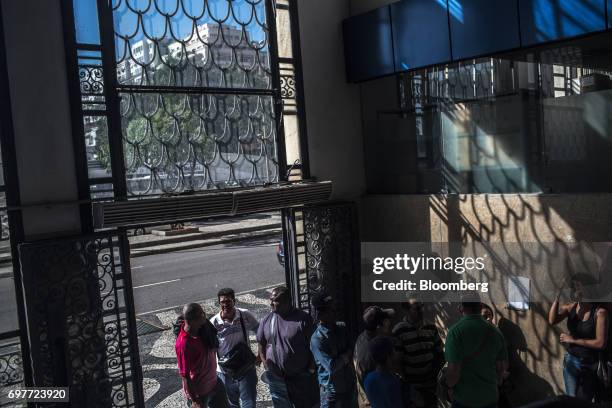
[[549, 20], [420, 33], [483, 27], [368, 48]]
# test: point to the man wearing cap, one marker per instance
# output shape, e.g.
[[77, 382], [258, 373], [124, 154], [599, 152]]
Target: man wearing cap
[[283, 338], [377, 322], [422, 354], [332, 349], [477, 358]]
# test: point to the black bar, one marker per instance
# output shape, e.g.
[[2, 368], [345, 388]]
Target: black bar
[[299, 87], [76, 116], [285, 60], [11, 181], [89, 47], [103, 180], [291, 265], [278, 101], [94, 112], [194, 90], [91, 57], [128, 294], [90, 65], [10, 335], [450, 38], [115, 139]]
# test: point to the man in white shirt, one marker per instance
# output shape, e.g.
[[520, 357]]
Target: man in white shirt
[[233, 325]]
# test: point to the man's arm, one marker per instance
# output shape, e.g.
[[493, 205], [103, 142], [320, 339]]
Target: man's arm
[[308, 328], [438, 350], [453, 374], [330, 363], [501, 368], [190, 387], [262, 343], [184, 359], [453, 356]]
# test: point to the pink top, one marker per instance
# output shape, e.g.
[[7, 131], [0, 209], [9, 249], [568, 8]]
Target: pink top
[[197, 362]]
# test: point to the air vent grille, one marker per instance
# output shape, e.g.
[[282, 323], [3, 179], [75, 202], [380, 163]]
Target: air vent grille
[[185, 208]]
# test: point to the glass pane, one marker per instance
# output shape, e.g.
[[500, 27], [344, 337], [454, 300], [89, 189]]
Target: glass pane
[[214, 43], [181, 142], [86, 21], [492, 126], [96, 146]]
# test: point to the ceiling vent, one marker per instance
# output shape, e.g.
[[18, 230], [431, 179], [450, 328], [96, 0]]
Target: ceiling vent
[[146, 211]]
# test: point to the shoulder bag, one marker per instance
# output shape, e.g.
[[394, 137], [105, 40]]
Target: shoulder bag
[[240, 358]]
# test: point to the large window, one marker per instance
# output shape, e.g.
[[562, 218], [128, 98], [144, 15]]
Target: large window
[[492, 126], [194, 95]]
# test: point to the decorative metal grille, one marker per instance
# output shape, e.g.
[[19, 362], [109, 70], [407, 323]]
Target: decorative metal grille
[[197, 99], [331, 264], [80, 304], [175, 142], [188, 43], [11, 369]]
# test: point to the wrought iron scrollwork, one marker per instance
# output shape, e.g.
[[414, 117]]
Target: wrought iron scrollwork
[[179, 142], [330, 257], [81, 295], [11, 365], [287, 86], [91, 80]]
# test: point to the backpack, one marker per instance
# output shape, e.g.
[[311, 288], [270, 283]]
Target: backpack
[[207, 333]]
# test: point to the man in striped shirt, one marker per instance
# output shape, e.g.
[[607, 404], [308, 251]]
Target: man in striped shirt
[[423, 354]]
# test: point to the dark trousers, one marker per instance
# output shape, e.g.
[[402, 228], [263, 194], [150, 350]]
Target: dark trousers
[[338, 400], [299, 391], [217, 398]]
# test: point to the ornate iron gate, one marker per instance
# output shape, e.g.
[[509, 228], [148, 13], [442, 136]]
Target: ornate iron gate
[[80, 312], [323, 254]]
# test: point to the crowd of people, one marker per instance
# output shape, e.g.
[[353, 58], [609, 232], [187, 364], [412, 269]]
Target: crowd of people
[[310, 363]]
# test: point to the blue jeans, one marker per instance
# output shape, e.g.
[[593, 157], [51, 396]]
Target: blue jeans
[[580, 377], [241, 393], [282, 389]]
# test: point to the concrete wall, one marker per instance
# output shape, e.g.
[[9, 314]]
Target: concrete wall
[[41, 116], [332, 105], [556, 221]]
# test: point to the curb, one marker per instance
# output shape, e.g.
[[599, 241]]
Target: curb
[[202, 235], [204, 243]]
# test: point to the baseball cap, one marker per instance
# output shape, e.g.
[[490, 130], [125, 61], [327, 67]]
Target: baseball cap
[[322, 300], [373, 316]]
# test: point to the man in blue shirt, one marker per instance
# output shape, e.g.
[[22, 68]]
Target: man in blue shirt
[[333, 350], [382, 386]]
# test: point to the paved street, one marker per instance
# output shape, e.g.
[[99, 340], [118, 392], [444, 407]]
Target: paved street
[[168, 280]]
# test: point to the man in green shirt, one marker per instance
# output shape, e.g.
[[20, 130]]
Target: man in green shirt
[[477, 358]]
